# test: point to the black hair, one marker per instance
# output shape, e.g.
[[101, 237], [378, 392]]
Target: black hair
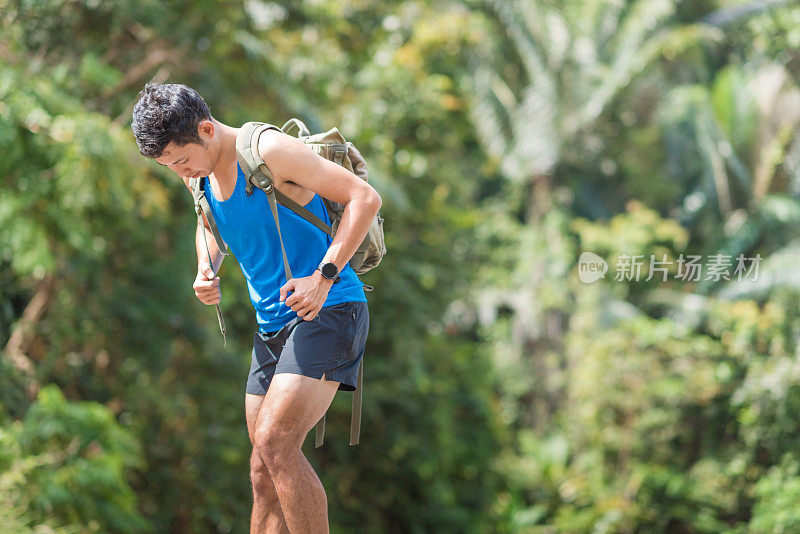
[[167, 113]]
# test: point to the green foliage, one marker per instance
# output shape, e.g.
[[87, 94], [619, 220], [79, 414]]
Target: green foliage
[[638, 233], [71, 462], [16, 521], [777, 492]]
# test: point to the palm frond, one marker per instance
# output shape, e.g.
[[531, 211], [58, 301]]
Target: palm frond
[[596, 19], [528, 49], [629, 64], [732, 102], [535, 148], [778, 101], [489, 114], [552, 30], [715, 172], [779, 270], [771, 215], [643, 17], [732, 14]]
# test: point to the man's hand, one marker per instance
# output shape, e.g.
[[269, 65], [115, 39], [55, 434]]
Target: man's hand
[[308, 294], [206, 286]]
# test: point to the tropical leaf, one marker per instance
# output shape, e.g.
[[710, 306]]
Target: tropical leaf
[[779, 270]]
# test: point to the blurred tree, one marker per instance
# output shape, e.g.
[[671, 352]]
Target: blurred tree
[[727, 147], [540, 115]]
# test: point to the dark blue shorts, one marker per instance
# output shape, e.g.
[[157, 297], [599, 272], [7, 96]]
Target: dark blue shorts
[[332, 344]]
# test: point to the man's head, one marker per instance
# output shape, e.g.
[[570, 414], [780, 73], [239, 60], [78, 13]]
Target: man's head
[[173, 125]]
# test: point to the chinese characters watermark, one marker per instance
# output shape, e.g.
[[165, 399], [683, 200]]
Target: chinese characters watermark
[[690, 268]]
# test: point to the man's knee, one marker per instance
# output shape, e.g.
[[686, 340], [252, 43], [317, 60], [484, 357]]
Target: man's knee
[[260, 478], [274, 443]]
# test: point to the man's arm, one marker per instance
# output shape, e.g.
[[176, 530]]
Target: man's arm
[[290, 160], [206, 283], [216, 257]]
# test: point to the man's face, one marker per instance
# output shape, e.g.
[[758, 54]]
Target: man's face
[[193, 160]]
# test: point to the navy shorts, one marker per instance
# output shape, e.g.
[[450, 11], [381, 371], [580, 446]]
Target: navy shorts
[[332, 344]]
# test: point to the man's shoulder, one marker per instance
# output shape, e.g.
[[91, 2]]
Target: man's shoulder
[[272, 141], [283, 156]]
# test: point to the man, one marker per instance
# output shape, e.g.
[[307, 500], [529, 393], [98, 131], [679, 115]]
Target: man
[[312, 328]]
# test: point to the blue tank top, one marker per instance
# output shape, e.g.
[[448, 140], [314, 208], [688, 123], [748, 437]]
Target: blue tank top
[[246, 225]]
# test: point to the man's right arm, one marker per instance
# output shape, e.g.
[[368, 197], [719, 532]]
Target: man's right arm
[[206, 283], [200, 241]]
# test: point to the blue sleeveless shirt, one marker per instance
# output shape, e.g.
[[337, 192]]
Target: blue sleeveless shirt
[[246, 225]]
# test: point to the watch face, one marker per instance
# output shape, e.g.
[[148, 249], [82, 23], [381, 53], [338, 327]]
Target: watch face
[[329, 270]]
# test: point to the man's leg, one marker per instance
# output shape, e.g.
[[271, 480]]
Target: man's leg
[[293, 405], [267, 515]]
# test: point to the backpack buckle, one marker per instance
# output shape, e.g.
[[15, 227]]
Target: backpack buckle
[[261, 182], [262, 179], [339, 152]]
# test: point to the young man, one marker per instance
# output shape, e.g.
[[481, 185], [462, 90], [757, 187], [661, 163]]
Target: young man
[[311, 329]]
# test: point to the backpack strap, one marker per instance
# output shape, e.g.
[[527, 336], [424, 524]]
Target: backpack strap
[[257, 174], [201, 207], [303, 212], [274, 207], [255, 170], [355, 417], [302, 129]]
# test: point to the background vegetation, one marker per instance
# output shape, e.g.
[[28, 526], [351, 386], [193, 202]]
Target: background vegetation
[[502, 393]]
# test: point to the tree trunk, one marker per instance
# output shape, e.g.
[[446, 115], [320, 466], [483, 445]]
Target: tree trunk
[[24, 330], [540, 199]]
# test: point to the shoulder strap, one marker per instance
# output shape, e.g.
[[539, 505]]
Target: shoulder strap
[[255, 170], [201, 207], [274, 207], [302, 129], [257, 174], [303, 212]]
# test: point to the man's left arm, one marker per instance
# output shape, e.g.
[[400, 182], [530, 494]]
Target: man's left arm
[[290, 160]]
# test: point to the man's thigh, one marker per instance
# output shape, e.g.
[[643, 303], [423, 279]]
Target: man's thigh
[[252, 405], [292, 406]]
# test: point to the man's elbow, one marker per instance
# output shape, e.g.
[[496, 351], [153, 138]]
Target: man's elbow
[[368, 199], [375, 200]]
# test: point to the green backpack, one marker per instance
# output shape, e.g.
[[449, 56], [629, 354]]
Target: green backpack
[[330, 145]]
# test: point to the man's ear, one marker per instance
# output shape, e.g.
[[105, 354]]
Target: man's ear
[[206, 128]]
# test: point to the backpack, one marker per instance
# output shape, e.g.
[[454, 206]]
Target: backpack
[[330, 145]]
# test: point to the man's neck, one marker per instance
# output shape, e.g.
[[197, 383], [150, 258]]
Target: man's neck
[[227, 153]]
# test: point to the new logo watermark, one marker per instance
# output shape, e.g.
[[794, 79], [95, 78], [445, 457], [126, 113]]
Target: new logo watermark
[[591, 267], [689, 268]]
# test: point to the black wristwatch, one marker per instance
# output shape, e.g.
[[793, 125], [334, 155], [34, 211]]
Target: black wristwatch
[[329, 271]]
